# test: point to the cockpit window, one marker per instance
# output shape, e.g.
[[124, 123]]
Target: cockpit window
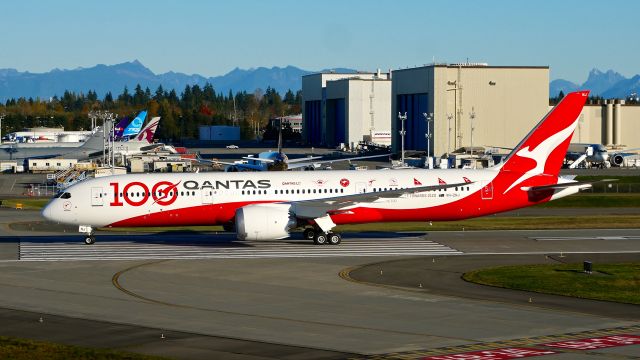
[[65, 195]]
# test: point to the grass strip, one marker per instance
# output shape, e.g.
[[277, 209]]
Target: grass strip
[[626, 179], [27, 203], [587, 200], [486, 223], [582, 200], [610, 282], [507, 223], [24, 349]]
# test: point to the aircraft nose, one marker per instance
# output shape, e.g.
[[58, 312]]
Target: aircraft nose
[[47, 212]]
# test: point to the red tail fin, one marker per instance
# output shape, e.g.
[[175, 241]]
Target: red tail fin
[[543, 150]]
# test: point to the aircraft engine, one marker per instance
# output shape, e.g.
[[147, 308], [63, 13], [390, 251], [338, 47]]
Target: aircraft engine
[[264, 222], [617, 160]]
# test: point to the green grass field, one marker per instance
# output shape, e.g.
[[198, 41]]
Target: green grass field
[[506, 223], [611, 282], [619, 179], [485, 223], [23, 349], [584, 200], [27, 203], [588, 200]]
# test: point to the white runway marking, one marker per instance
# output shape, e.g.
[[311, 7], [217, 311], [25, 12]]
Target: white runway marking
[[117, 250], [570, 238]]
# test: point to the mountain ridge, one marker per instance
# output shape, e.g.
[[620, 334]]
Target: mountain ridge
[[609, 84], [103, 78]]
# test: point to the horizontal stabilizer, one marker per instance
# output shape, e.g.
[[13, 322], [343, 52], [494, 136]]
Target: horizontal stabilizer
[[562, 186]]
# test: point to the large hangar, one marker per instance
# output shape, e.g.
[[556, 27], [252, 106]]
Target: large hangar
[[345, 107], [467, 104], [609, 122]]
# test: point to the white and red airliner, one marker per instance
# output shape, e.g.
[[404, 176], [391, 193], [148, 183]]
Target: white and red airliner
[[268, 205]]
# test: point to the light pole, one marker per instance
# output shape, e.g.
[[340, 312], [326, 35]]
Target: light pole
[[402, 134], [449, 117], [472, 115], [428, 118], [2, 116]]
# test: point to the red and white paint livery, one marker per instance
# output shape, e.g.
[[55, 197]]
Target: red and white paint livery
[[267, 205]]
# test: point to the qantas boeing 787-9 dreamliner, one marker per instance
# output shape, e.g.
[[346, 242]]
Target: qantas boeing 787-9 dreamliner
[[268, 205]]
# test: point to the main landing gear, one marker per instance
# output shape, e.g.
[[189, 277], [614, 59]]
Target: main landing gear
[[319, 237], [89, 238]]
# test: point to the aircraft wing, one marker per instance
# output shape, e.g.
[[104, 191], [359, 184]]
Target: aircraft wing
[[258, 159], [626, 150], [299, 164], [288, 161], [238, 165], [317, 208], [303, 159]]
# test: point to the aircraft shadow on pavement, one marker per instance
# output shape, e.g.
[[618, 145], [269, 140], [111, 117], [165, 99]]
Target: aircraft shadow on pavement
[[192, 238], [168, 238]]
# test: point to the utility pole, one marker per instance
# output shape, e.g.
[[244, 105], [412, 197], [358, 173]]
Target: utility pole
[[2, 116], [472, 115], [449, 117], [428, 118], [402, 118], [112, 141], [457, 111]]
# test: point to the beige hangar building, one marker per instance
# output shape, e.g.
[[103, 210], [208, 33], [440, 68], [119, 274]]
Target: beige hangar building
[[505, 102], [345, 108], [466, 104], [609, 122]]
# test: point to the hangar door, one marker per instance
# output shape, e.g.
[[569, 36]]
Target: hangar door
[[415, 105]]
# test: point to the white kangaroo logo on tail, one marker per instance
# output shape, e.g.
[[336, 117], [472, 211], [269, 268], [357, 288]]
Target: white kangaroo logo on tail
[[541, 153]]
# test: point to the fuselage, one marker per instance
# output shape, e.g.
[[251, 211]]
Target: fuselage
[[213, 198]]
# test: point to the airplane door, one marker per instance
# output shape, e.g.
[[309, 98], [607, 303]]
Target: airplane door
[[487, 190], [96, 196], [207, 196], [361, 188]]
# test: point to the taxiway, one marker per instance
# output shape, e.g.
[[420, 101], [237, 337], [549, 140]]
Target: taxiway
[[211, 296]]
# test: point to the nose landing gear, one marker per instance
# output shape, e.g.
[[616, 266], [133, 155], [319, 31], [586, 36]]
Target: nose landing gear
[[89, 239]]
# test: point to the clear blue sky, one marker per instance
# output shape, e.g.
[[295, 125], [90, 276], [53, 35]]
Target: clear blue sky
[[213, 37]]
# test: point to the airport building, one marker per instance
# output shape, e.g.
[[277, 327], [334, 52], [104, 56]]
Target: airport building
[[467, 105], [463, 105], [218, 133], [295, 121], [345, 108], [609, 122]]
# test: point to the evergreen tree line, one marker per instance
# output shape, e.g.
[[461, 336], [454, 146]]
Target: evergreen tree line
[[181, 114]]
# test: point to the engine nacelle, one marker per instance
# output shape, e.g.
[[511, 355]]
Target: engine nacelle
[[617, 160], [264, 222]]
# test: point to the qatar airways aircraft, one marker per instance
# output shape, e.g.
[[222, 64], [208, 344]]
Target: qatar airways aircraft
[[268, 205]]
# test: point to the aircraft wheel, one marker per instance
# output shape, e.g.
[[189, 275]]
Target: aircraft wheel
[[89, 240], [320, 238], [334, 239], [309, 234]]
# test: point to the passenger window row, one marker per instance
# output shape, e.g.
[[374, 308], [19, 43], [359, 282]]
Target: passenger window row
[[293, 191]]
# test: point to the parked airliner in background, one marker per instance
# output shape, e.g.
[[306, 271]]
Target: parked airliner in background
[[596, 155], [279, 161], [80, 151], [93, 147], [268, 205]]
